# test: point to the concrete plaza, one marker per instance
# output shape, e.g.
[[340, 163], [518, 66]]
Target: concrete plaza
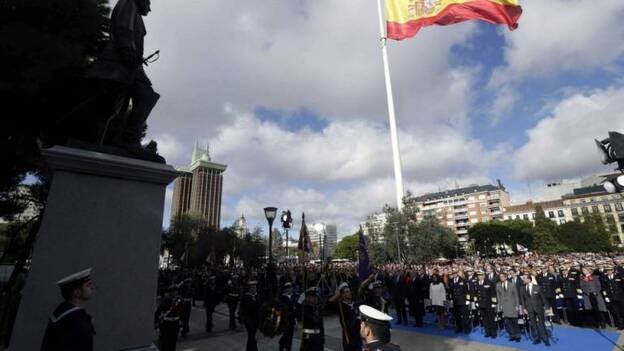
[[408, 338]]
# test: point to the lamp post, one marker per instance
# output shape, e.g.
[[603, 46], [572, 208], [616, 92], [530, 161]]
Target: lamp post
[[270, 213]]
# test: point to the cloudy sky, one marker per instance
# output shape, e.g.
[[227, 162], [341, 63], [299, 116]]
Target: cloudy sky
[[290, 95]]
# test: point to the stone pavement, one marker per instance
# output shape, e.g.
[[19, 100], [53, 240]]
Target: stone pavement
[[223, 339]]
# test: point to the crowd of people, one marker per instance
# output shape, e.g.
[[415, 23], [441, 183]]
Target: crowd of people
[[496, 296]]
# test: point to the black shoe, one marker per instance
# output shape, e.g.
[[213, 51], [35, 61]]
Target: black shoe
[[535, 342], [517, 339], [547, 343]]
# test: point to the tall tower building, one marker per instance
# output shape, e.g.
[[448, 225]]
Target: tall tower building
[[199, 188]]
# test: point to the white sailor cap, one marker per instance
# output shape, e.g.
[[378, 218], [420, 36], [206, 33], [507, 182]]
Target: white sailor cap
[[342, 286], [76, 278], [312, 291], [252, 282], [373, 315]]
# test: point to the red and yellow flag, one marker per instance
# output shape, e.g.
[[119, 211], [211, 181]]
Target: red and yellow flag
[[406, 17]]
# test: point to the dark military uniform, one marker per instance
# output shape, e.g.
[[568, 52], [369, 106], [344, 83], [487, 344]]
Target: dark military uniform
[[186, 293], [232, 297], [460, 294], [69, 329], [380, 346], [572, 299], [350, 324], [249, 315], [288, 307], [485, 297], [613, 292], [211, 300], [167, 320], [548, 284], [313, 337]]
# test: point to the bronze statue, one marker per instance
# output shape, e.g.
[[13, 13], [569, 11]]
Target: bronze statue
[[121, 93]]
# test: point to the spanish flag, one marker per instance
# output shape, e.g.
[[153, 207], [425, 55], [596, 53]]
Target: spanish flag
[[406, 17]]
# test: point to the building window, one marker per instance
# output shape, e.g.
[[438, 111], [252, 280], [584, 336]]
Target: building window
[[525, 216], [575, 212], [551, 214], [533, 215], [560, 213], [618, 207], [562, 221], [509, 217], [607, 208], [595, 209], [584, 210]]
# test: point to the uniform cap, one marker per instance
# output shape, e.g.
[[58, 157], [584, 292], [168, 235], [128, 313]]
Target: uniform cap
[[342, 286], [252, 282], [287, 285], [76, 278], [312, 291], [373, 315]]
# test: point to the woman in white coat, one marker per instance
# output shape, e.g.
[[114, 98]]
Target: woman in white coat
[[437, 294]]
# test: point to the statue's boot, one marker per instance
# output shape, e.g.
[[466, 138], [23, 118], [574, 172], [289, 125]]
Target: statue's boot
[[144, 98]]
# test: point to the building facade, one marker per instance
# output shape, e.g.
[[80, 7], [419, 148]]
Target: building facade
[[556, 210], [240, 226], [373, 226], [324, 235], [459, 209], [594, 199], [198, 189]]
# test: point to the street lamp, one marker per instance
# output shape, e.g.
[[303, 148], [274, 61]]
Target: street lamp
[[270, 213]]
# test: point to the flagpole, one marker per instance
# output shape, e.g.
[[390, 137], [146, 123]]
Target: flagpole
[[396, 157]]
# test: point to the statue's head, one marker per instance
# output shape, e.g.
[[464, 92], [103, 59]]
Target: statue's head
[[143, 7]]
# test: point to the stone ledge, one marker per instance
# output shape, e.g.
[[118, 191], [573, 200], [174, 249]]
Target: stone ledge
[[96, 163]]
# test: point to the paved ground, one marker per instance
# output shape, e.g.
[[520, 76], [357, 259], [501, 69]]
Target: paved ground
[[408, 338]]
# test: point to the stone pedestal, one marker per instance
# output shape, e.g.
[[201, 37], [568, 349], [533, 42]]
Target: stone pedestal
[[105, 212]]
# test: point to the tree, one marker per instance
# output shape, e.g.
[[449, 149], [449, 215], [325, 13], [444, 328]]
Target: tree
[[587, 236], [511, 232], [599, 232], [429, 239], [545, 234], [347, 247]]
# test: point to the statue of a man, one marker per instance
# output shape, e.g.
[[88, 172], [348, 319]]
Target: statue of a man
[[122, 63]]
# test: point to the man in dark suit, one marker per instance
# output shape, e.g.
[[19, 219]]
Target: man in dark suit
[[534, 303], [399, 294]]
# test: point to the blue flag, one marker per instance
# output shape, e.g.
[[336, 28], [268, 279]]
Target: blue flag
[[363, 264]]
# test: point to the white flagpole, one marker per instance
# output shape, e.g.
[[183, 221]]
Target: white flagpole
[[396, 157]]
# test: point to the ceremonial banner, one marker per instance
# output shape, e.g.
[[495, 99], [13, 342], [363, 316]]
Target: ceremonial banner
[[304, 237], [363, 264], [404, 18]]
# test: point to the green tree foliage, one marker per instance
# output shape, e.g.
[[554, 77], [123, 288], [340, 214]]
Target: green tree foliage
[[192, 243], [587, 236], [347, 247], [510, 232], [46, 46], [545, 234], [429, 239]]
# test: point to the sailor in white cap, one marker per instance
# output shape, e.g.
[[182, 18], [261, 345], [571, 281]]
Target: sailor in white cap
[[348, 317], [375, 330], [70, 326]]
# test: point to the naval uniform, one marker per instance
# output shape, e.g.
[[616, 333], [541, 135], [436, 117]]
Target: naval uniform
[[167, 320], [380, 346], [249, 314], [313, 330], [350, 324], [69, 329], [288, 307], [211, 300], [460, 293]]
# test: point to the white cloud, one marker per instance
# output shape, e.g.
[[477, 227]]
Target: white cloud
[[562, 144], [324, 55], [556, 36]]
